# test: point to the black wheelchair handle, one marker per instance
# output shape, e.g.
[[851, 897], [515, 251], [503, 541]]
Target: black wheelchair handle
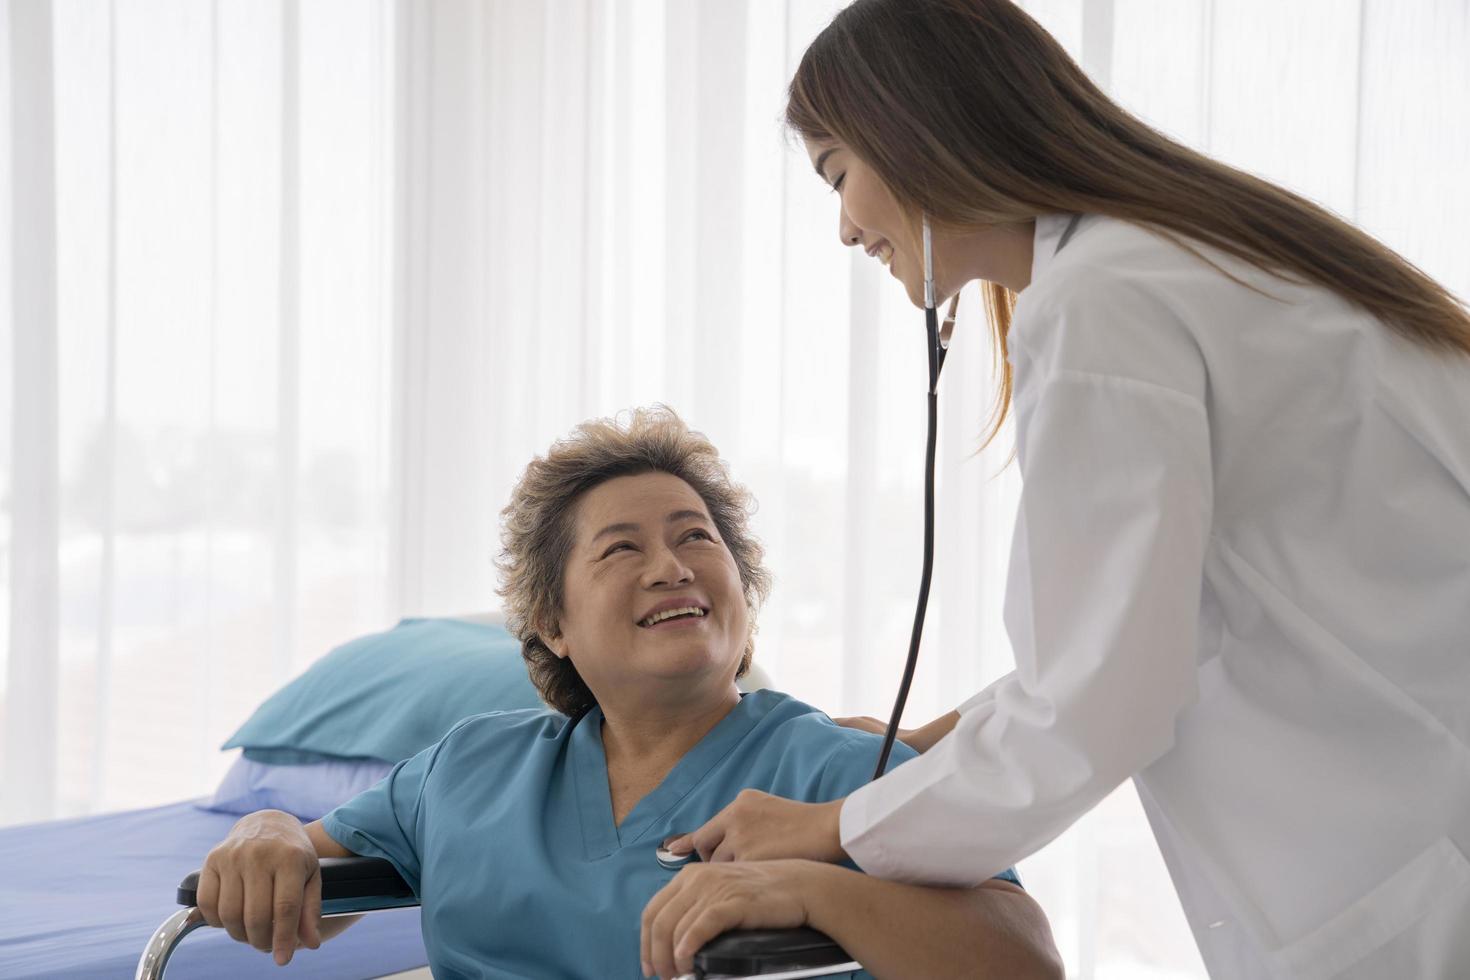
[[342, 878], [751, 952]]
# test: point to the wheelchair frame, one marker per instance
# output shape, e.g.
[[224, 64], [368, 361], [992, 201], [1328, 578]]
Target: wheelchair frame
[[357, 885]]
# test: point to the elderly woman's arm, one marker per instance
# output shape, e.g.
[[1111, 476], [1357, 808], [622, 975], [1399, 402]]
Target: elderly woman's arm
[[327, 847], [894, 930], [898, 930], [262, 885]]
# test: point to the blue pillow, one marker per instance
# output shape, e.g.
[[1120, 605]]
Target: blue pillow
[[388, 695], [308, 791]]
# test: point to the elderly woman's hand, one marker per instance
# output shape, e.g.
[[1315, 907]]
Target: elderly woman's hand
[[705, 900], [262, 885], [757, 826]]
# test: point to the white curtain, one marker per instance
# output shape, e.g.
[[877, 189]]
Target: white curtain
[[292, 291]]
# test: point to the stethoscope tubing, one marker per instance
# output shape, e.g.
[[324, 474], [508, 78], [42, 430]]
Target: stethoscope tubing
[[936, 353]]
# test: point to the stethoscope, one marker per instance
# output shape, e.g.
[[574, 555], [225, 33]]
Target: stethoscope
[[936, 347]]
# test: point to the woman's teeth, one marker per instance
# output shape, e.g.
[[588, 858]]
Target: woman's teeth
[[671, 613], [884, 253]]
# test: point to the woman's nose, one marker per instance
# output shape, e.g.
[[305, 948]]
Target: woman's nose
[[850, 233], [665, 568]]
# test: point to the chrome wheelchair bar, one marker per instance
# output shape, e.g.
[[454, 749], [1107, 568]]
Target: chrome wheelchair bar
[[167, 937]]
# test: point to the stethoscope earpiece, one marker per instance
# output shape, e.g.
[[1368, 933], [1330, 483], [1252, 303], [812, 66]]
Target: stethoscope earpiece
[[938, 344], [928, 266]]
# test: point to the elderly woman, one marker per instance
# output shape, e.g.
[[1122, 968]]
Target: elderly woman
[[632, 580]]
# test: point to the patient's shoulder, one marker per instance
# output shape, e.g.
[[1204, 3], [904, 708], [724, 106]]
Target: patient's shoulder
[[791, 717], [840, 759], [508, 731], [808, 725]]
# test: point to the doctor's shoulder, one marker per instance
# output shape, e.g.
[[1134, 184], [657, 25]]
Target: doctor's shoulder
[[1120, 300]]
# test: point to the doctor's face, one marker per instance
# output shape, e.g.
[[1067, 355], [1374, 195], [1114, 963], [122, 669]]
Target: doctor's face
[[654, 604], [871, 218]]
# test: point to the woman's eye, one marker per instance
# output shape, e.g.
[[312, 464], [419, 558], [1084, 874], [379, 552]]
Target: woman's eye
[[700, 532], [618, 547], [837, 184]]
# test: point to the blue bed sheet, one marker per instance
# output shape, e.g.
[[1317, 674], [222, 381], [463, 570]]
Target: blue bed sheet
[[79, 899]]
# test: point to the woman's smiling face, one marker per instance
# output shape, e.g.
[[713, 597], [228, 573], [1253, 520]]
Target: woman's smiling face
[[872, 219], [651, 593]]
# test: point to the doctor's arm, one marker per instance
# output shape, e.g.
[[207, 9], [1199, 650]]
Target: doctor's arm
[[892, 929], [1102, 610]]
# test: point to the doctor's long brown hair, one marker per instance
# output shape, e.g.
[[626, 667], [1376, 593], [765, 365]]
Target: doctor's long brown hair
[[970, 112]]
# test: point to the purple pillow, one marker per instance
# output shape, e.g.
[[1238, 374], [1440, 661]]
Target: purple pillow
[[306, 791]]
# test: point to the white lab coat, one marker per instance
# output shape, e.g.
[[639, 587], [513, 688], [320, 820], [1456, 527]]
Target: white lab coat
[[1240, 575]]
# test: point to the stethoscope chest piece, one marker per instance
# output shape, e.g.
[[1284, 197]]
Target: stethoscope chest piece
[[673, 862]]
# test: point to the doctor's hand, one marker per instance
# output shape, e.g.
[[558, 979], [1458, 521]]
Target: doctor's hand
[[705, 900], [760, 827], [919, 739], [262, 884]]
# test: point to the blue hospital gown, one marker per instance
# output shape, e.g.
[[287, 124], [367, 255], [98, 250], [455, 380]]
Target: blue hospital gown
[[504, 828]]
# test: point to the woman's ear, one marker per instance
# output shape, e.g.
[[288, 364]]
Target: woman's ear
[[554, 639]]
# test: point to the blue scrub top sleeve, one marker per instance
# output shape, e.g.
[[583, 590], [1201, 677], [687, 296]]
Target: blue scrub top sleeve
[[1009, 874], [851, 765], [386, 820]]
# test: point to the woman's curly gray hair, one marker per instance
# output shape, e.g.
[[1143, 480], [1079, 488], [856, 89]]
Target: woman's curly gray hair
[[538, 529]]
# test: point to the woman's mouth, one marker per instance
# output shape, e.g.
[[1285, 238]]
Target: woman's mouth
[[883, 252], [670, 618]]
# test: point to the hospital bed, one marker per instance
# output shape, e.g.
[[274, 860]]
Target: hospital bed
[[79, 898]]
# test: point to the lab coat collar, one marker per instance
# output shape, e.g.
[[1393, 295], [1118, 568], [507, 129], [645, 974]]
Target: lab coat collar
[[1050, 229]]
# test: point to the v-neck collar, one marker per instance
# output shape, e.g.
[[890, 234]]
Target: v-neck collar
[[594, 797]]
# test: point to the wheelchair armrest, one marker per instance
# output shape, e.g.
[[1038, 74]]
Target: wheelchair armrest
[[350, 884], [751, 952], [365, 884]]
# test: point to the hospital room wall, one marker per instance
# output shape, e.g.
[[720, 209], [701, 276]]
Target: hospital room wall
[[218, 525], [509, 217]]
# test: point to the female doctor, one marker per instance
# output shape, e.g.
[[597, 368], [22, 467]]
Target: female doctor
[[1241, 563]]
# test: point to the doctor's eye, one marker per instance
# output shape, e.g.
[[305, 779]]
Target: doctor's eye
[[837, 184]]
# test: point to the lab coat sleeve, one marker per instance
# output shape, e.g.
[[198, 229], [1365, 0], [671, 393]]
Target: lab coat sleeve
[[1102, 605]]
